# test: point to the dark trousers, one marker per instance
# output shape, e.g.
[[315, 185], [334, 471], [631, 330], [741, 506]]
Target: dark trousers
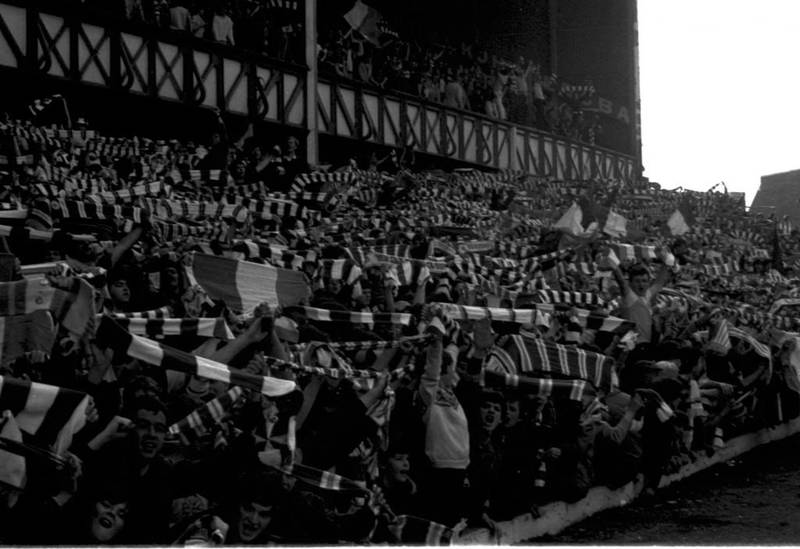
[[443, 496]]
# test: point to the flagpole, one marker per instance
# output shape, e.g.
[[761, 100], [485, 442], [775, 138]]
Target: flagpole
[[66, 112]]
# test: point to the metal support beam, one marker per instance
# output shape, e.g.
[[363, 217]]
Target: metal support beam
[[312, 139]]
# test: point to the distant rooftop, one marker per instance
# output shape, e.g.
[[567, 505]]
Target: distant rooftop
[[779, 193]]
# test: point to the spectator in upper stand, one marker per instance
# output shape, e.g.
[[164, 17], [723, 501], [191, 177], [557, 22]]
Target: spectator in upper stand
[[251, 24], [364, 69], [428, 88], [197, 23], [539, 98], [341, 64], [161, 13], [270, 170], [293, 162], [134, 11], [490, 104], [499, 85], [522, 97], [217, 157], [222, 27], [454, 94], [179, 16]]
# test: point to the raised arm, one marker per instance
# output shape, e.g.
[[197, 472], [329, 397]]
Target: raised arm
[[433, 370], [663, 274], [125, 244], [620, 279]]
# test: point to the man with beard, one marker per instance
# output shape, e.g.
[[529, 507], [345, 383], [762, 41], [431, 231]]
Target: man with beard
[[131, 448]]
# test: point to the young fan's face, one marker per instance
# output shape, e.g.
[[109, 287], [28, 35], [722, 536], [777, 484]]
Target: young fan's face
[[108, 520], [640, 283], [151, 429], [253, 520], [335, 286], [120, 292], [512, 413], [399, 467], [491, 415]]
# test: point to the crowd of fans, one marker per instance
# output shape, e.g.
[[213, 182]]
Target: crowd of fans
[[268, 27], [462, 76], [465, 76], [456, 355]]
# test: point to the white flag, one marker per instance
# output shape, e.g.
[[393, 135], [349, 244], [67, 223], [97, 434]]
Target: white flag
[[677, 224], [615, 225], [571, 221]]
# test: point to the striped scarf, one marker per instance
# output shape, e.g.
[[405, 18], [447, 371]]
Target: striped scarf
[[409, 274], [161, 312], [201, 421], [634, 252], [279, 257], [571, 389], [127, 195], [585, 318], [50, 414], [433, 266], [363, 254], [572, 298], [190, 327], [516, 354], [759, 348], [322, 479], [368, 345], [89, 210], [320, 181], [339, 269], [319, 353], [326, 315], [719, 338], [411, 530], [112, 335]]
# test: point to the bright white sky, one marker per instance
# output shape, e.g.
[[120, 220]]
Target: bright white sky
[[720, 90]]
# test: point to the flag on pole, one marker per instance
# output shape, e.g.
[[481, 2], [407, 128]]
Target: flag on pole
[[571, 221], [677, 224], [615, 225], [365, 19]]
